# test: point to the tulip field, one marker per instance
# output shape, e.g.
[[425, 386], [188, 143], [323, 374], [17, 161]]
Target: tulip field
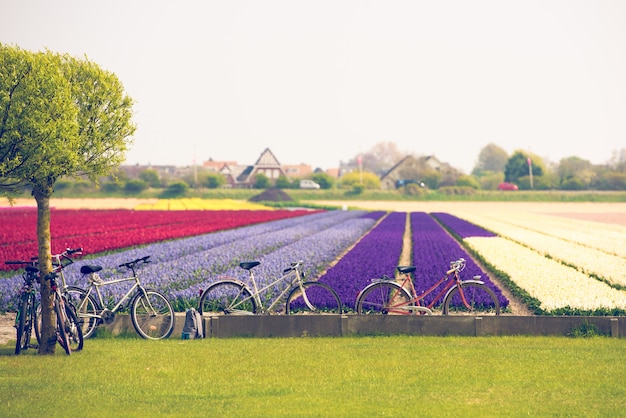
[[556, 265]]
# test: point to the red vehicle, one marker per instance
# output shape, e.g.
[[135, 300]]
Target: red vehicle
[[507, 186]]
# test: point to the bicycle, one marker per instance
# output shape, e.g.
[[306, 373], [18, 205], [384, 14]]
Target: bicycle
[[69, 332], [26, 315], [233, 296], [460, 297], [151, 313]]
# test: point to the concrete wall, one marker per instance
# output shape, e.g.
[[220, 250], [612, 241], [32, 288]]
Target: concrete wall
[[348, 325]]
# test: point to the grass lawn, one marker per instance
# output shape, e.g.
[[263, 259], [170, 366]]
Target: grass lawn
[[340, 377]]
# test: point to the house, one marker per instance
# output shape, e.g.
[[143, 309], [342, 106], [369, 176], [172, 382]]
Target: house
[[411, 169], [244, 176]]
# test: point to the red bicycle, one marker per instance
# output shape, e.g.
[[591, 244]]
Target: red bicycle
[[386, 296]]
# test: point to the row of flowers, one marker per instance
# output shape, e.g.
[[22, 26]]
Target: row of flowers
[[551, 270], [181, 268], [105, 230]]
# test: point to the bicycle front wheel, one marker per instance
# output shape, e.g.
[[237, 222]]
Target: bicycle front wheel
[[471, 299], [20, 324], [226, 297], [314, 298], [384, 298], [152, 315], [86, 309]]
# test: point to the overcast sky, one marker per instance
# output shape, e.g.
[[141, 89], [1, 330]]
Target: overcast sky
[[321, 81]]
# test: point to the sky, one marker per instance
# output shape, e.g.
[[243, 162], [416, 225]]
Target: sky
[[319, 82]]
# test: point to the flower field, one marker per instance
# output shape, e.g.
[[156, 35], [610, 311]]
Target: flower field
[[564, 266], [105, 230], [548, 258]]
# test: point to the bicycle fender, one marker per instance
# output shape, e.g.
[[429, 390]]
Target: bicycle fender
[[462, 283]]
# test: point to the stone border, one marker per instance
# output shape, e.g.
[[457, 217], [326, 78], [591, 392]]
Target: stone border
[[287, 326]]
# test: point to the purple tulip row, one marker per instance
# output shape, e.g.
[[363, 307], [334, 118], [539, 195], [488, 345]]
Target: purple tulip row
[[376, 254], [434, 249]]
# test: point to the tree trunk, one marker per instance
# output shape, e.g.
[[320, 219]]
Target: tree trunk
[[48, 318]]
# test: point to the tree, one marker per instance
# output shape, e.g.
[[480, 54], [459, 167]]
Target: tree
[[380, 158], [492, 158], [517, 166], [59, 116], [325, 180], [151, 177], [261, 181], [575, 173]]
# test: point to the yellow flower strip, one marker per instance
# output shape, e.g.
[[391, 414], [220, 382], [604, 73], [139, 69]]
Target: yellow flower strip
[[589, 260], [551, 282], [202, 204]]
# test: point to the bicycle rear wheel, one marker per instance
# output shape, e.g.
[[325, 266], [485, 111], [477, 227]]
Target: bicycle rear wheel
[[62, 336], [313, 298], [480, 300], [226, 297], [384, 298], [86, 309], [73, 329], [152, 315]]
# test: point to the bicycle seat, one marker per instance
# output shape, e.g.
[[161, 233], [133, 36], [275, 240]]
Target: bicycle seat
[[247, 265], [90, 269], [406, 269]]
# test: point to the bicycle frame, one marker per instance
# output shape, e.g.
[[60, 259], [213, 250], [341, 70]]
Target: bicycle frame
[[454, 280], [94, 287], [294, 277]]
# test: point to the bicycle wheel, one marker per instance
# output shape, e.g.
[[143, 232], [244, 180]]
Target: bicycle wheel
[[73, 329], [313, 297], [20, 324], [61, 331], [152, 315], [480, 299], [226, 297], [384, 298], [86, 309]]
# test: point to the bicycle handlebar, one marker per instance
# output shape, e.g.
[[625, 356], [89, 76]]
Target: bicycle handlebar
[[294, 265], [457, 266], [132, 264]]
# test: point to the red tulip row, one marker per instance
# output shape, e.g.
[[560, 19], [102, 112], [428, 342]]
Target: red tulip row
[[106, 230]]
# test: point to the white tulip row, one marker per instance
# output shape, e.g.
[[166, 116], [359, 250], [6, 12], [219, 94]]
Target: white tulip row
[[554, 284], [546, 238]]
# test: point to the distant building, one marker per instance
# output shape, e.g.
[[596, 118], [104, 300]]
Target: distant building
[[411, 168], [244, 176]]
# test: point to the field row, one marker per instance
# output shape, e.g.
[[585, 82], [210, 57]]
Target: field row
[[346, 249]]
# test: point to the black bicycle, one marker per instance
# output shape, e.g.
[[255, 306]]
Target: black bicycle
[[26, 317]]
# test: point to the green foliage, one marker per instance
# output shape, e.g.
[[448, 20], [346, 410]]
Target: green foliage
[[176, 188], [366, 179], [134, 377], [517, 166], [151, 177], [414, 190], [456, 191], [572, 183], [432, 179], [467, 181], [282, 182], [134, 186], [490, 180], [325, 180], [214, 180], [585, 330], [261, 181]]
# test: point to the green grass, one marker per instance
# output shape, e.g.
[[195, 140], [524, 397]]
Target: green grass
[[339, 377]]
